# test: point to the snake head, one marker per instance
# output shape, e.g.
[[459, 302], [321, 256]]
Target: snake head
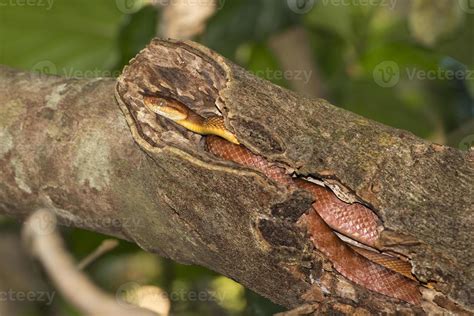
[[170, 109]]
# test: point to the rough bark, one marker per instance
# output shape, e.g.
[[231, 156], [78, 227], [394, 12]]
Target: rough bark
[[64, 144]]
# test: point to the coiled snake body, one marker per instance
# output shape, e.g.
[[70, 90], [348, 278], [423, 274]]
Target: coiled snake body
[[374, 271]]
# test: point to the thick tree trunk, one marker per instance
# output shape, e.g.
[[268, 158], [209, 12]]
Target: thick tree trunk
[[64, 144]]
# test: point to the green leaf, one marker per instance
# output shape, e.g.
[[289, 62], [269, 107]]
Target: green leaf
[[459, 45], [242, 21], [332, 18], [263, 63], [405, 54], [401, 107], [136, 32], [431, 20], [70, 37]]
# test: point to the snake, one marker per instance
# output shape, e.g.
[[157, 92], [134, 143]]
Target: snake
[[375, 271]]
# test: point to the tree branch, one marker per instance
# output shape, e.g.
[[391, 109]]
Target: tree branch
[[46, 244], [64, 145]]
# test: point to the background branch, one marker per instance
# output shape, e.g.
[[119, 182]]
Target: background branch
[[46, 244]]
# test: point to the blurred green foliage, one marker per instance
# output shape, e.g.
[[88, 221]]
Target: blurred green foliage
[[355, 47]]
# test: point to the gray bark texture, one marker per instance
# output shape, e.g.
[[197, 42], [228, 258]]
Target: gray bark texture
[[88, 149]]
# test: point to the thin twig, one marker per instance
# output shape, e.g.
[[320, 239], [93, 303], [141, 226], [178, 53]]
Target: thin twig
[[106, 246], [183, 19], [46, 244]]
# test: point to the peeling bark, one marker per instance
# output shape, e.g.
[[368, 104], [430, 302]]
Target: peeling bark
[[64, 144]]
